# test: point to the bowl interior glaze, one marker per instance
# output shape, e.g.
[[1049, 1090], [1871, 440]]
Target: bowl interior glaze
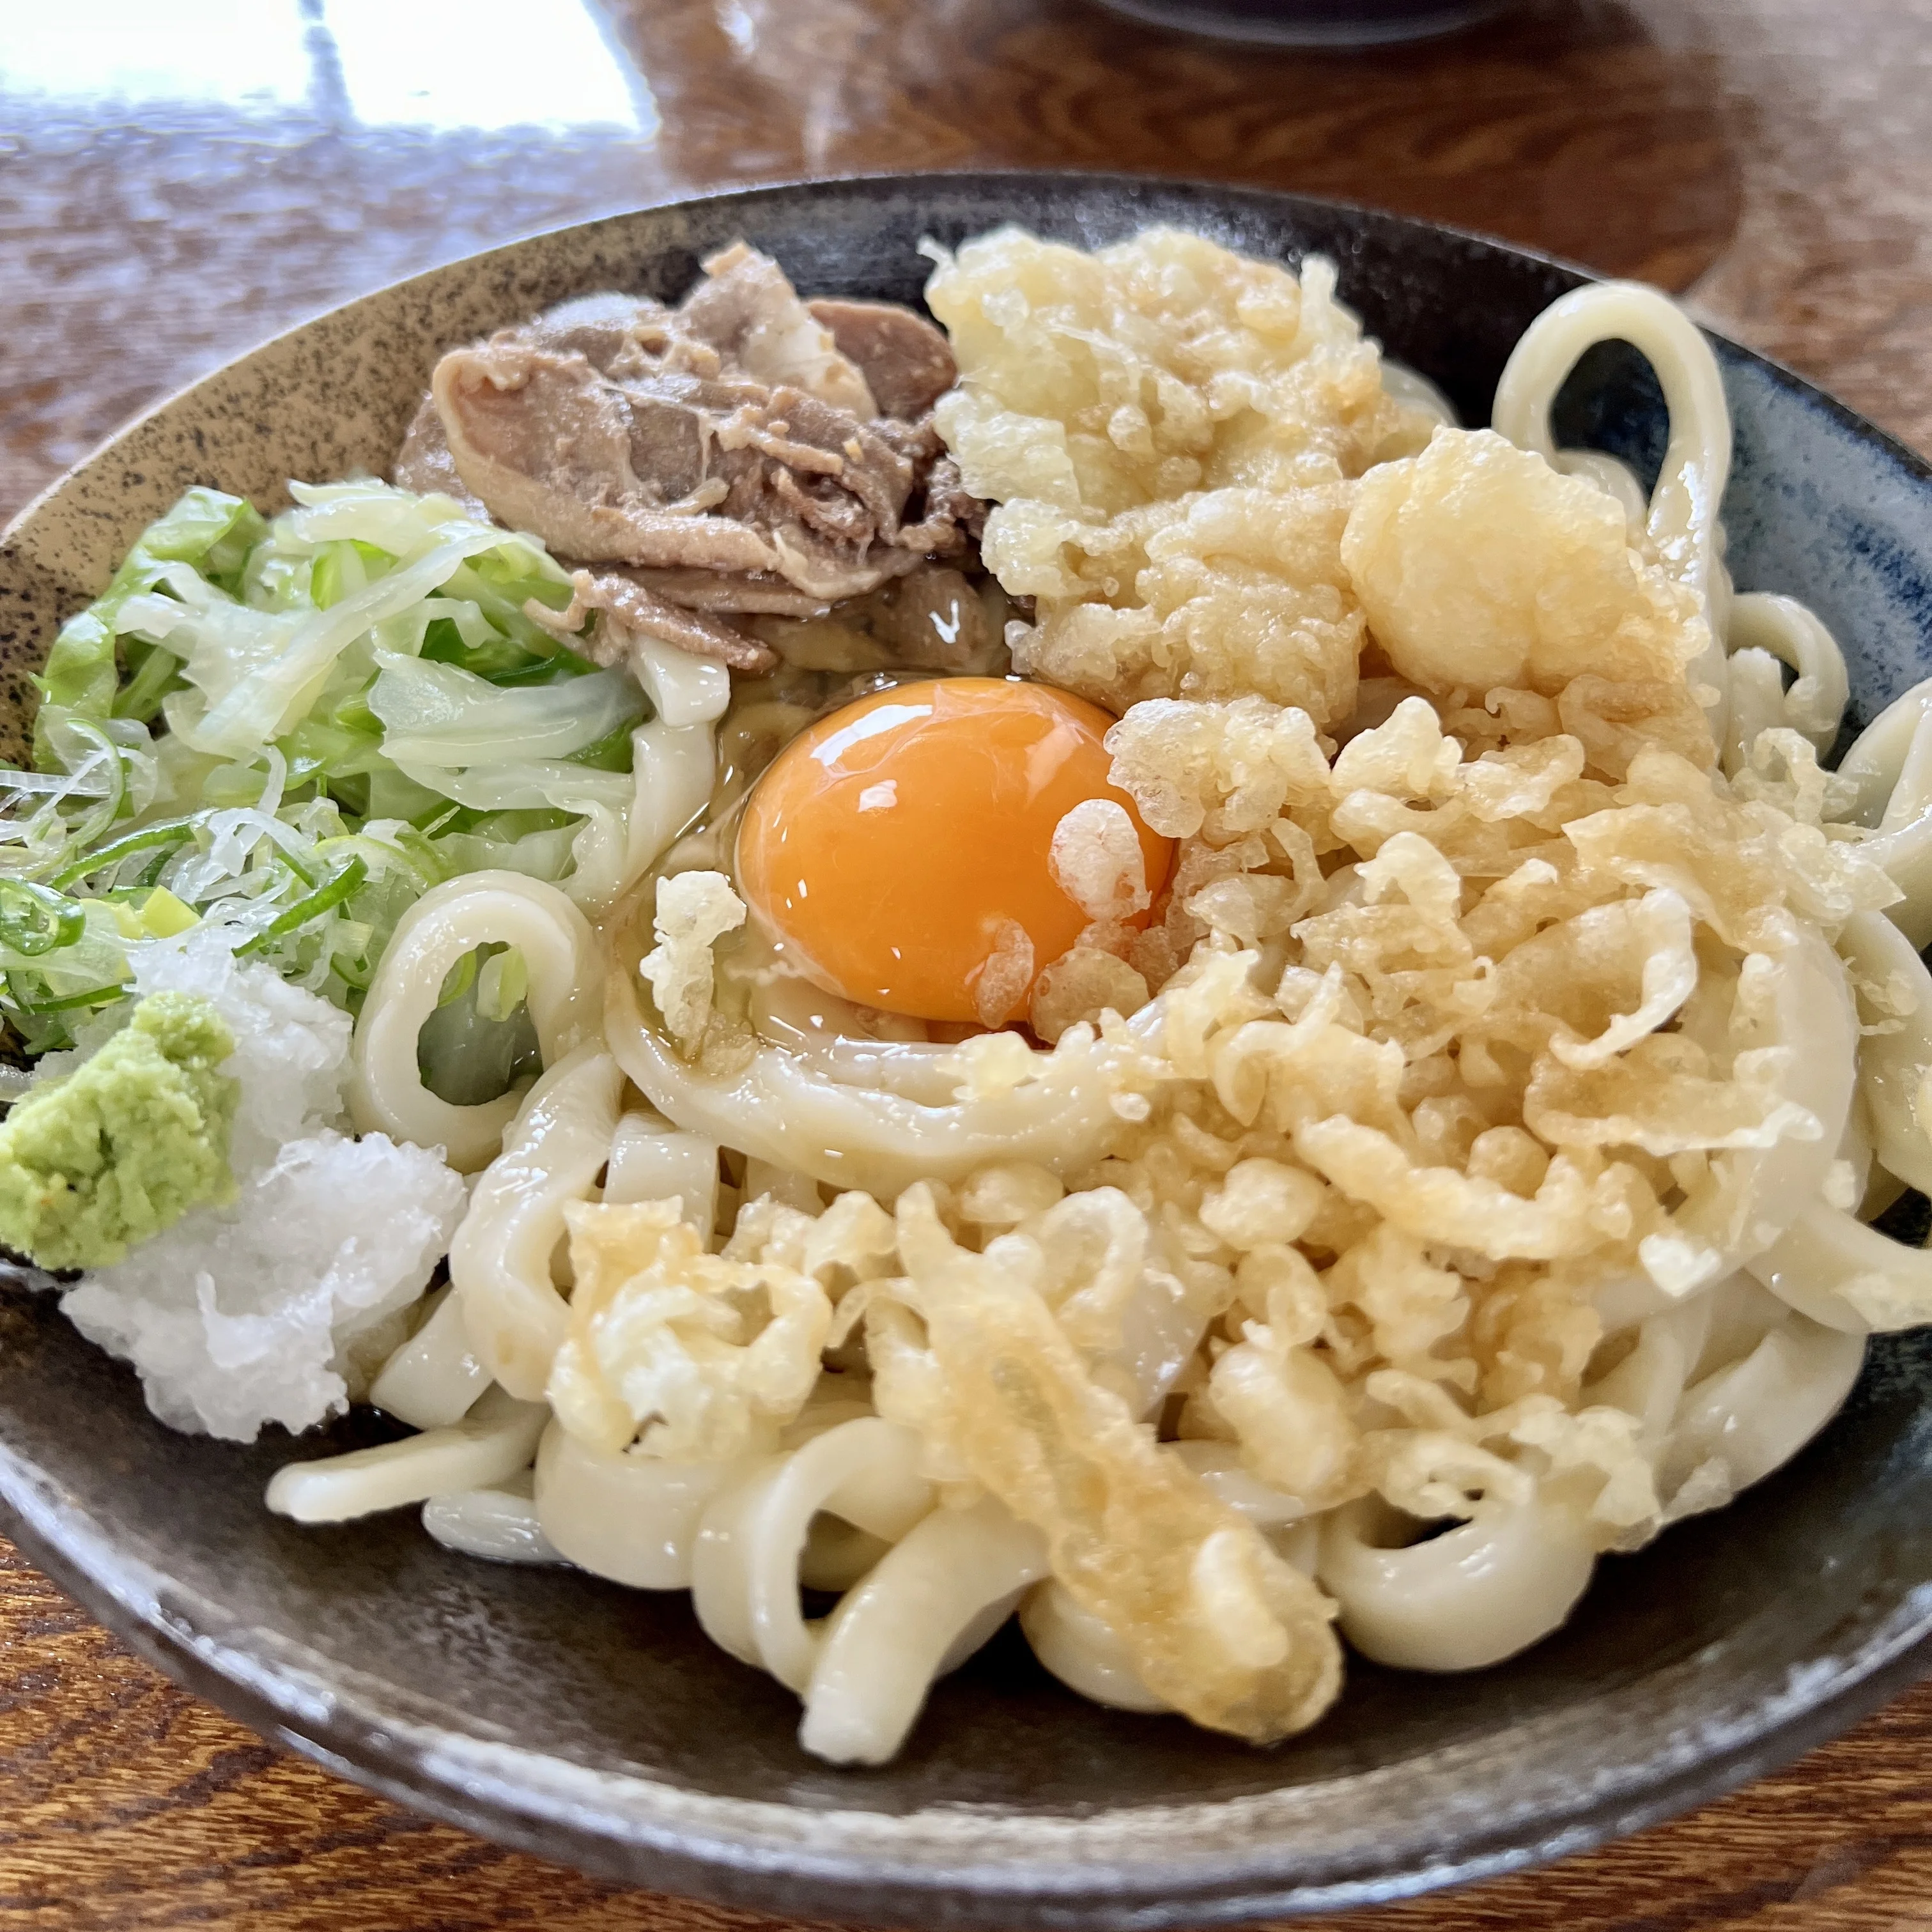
[[596, 1724]]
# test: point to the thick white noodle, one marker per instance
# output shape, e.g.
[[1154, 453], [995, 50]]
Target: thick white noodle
[[1475, 1595], [1893, 1066], [1831, 1267], [1161, 1328], [671, 768], [1133, 1318], [683, 689], [500, 1524], [1218, 1466], [1615, 478], [1910, 798], [651, 1160], [783, 1184], [499, 1262], [834, 1038], [1623, 1300], [495, 1440], [934, 1599], [1298, 1544], [745, 1569], [1877, 762], [1889, 769], [1742, 1312], [676, 765], [1738, 1424], [633, 1519], [447, 924], [1814, 1020], [1755, 687], [1725, 1387], [434, 1379], [1682, 522], [1082, 1651], [1855, 1150], [1786, 631], [780, 1109], [1650, 1380]]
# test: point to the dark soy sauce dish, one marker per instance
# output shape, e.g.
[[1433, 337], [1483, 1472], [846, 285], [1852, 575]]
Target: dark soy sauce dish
[[597, 1725]]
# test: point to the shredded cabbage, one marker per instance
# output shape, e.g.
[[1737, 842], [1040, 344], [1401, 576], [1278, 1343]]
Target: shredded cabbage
[[356, 707]]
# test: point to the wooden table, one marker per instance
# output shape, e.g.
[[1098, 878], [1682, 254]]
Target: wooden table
[[176, 186]]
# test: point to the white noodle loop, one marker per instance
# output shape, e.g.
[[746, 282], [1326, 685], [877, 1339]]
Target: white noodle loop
[[1813, 1022], [1681, 520], [745, 1569], [1888, 775], [495, 1441], [443, 928], [932, 1601], [628, 1516], [1784, 630], [1726, 1388], [1893, 1064], [1752, 1416], [650, 1160], [1889, 768], [500, 1261], [1846, 1275], [1481, 1591], [434, 1379], [781, 1109], [1081, 1651], [498, 1525]]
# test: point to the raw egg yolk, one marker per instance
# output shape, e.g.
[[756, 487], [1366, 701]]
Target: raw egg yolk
[[893, 846]]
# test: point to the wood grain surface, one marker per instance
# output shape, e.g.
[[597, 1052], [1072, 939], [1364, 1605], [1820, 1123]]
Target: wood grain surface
[[176, 186]]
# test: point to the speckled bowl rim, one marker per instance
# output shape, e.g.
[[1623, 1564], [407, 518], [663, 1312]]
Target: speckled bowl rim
[[943, 1866]]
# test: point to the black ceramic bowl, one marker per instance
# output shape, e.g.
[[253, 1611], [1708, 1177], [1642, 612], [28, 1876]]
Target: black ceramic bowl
[[596, 1724], [1339, 24]]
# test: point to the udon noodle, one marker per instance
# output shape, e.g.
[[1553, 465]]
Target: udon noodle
[[1480, 1183]]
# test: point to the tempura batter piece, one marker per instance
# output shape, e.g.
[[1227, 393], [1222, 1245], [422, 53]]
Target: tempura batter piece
[[1481, 567], [1217, 1623], [1169, 431]]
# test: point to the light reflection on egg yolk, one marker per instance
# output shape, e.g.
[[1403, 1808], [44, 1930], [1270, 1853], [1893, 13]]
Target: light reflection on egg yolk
[[888, 845]]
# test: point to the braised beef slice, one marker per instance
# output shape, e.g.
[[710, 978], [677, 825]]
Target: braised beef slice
[[746, 310], [598, 327], [906, 362], [729, 450], [753, 593], [425, 464], [627, 609]]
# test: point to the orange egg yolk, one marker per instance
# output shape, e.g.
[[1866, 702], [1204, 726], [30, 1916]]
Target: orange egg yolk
[[891, 845]]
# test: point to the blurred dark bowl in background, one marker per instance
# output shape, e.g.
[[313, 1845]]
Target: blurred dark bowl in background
[[1313, 23]]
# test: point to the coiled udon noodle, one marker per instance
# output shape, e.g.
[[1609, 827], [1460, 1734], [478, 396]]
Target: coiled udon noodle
[[1710, 1388]]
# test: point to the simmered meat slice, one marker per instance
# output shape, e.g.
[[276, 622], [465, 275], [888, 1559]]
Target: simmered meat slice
[[951, 514], [907, 363], [729, 442], [639, 609], [747, 310], [755, 593], [610, 472], [547, 443], [425, 464], [600, 327]]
